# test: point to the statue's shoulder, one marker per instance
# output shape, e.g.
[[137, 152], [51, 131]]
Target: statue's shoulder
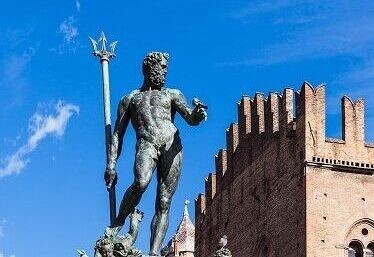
[[128, 97], [173, 92]]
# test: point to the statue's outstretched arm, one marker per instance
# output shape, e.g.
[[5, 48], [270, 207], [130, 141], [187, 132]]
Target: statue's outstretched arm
[[115, 148], [192, 116]]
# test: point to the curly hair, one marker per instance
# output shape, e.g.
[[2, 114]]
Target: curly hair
[[152, 58]]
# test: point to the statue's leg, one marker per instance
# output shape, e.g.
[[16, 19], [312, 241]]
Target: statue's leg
[[168, 173], [145, 163]]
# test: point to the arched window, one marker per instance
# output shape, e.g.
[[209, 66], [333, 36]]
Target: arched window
[[359, 238], [369, 251], [357, 248], [371, 246]]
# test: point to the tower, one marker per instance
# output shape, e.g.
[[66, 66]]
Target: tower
[[282, 188]]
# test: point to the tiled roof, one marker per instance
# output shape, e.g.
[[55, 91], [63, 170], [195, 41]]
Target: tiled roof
[[184, 236]]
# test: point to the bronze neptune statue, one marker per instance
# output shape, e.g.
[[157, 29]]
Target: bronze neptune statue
[[151, 110]]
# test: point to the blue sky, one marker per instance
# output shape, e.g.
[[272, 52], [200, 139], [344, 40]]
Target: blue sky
[[52, 194]]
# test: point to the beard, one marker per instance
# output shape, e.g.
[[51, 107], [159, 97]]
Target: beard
[[157, 79]]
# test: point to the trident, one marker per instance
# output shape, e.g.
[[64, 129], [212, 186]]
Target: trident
[[104, 56]]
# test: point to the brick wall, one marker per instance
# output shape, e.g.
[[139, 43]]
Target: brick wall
[[262, 195]]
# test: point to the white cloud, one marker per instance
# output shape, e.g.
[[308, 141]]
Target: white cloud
[[345, 38], [14, 65], [78, 5], [13, 79], [2, 222], [3, 255], [14, 37], [41, 125], [362, 74], [305, 29], [69, 30], [263, 7]]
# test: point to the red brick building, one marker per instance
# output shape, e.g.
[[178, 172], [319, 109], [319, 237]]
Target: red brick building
[[282, 189]]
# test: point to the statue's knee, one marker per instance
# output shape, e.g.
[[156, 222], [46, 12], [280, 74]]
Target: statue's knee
[[164, 204], [140, 185]]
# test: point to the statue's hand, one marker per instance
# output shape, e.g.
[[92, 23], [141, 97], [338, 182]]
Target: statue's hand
[[199, 114], [199, 111], [110, 177]]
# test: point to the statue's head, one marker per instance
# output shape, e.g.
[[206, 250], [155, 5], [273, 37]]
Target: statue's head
[[155, 67], [104, 247]]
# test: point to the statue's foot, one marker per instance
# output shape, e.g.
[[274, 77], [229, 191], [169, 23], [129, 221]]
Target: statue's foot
[[135, 253], [112, 231]]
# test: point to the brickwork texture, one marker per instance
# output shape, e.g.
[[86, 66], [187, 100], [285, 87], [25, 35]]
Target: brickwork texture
[[281, 188]]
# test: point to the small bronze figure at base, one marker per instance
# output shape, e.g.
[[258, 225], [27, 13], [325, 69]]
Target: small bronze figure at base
[[114, 245]]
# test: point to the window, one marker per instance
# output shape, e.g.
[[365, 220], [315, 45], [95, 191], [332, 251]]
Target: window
[[355, 249], [371, 248]]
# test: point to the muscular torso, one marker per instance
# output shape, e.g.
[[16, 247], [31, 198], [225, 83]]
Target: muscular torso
[[152, 115]]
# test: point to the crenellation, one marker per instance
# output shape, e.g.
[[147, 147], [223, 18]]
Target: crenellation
[[286, 114], [272, 113], [320, 112], [257, 114], [210, 188], [298, 103], [312, 122], [244, 116], [353, 121], [221, 166], [200, 203], [232, 140]]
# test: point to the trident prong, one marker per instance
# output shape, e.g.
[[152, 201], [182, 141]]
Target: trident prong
[[103, 41], [113, 46], [94, 44], [103, 53]]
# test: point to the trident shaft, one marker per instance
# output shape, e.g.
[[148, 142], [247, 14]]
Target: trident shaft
[[104, 56]]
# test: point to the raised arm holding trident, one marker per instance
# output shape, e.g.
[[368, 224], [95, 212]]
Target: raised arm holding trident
[[151, 110]]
